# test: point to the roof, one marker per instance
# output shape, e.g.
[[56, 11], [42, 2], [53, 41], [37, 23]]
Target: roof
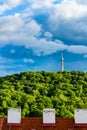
[[37, 124]]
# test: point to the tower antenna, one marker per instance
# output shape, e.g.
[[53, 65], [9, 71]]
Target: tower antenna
[[62, 63]]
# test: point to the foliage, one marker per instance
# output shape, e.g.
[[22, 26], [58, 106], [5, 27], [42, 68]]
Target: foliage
[[33, 91]]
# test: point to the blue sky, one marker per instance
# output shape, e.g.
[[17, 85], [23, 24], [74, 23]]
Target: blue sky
[[34, 34]]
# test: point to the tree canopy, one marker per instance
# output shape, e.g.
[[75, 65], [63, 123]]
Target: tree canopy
[[34, 91]]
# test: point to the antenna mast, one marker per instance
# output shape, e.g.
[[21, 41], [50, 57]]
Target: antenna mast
[[62, 63]]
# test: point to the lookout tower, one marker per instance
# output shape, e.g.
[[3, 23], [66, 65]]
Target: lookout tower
[[62, 63]]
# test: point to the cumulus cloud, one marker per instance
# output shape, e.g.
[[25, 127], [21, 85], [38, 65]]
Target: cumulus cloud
[[9, 5], [12, 3], [32, 28], [45, 47], [9, 28], [15, 29], [40, 3], [70, 9], [67, 9], [10, 24], [66, 20], [27, 32], [3, 8]]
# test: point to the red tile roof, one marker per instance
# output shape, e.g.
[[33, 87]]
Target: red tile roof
[[37, 124]]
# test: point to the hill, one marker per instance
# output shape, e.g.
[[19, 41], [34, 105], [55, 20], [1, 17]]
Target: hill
[[33, 91]]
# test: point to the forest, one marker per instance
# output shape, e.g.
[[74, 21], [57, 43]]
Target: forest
[[33, 91]]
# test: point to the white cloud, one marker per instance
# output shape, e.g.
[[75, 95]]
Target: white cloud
[[17, 14], [15, 29], [9, 5], [70, 9], [28, 60], [81, 2], [67, 21], [9, 24], [79, 49], [3, 8], [32, 28], [40, 3], [13, 3], [67, 10], [45, 47], [48, 35], [26, 32], [21, 29]]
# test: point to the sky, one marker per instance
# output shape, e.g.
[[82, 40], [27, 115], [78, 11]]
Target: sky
[[34, 34]]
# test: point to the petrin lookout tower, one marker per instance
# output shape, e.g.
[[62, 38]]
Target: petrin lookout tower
[[62, 63]]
